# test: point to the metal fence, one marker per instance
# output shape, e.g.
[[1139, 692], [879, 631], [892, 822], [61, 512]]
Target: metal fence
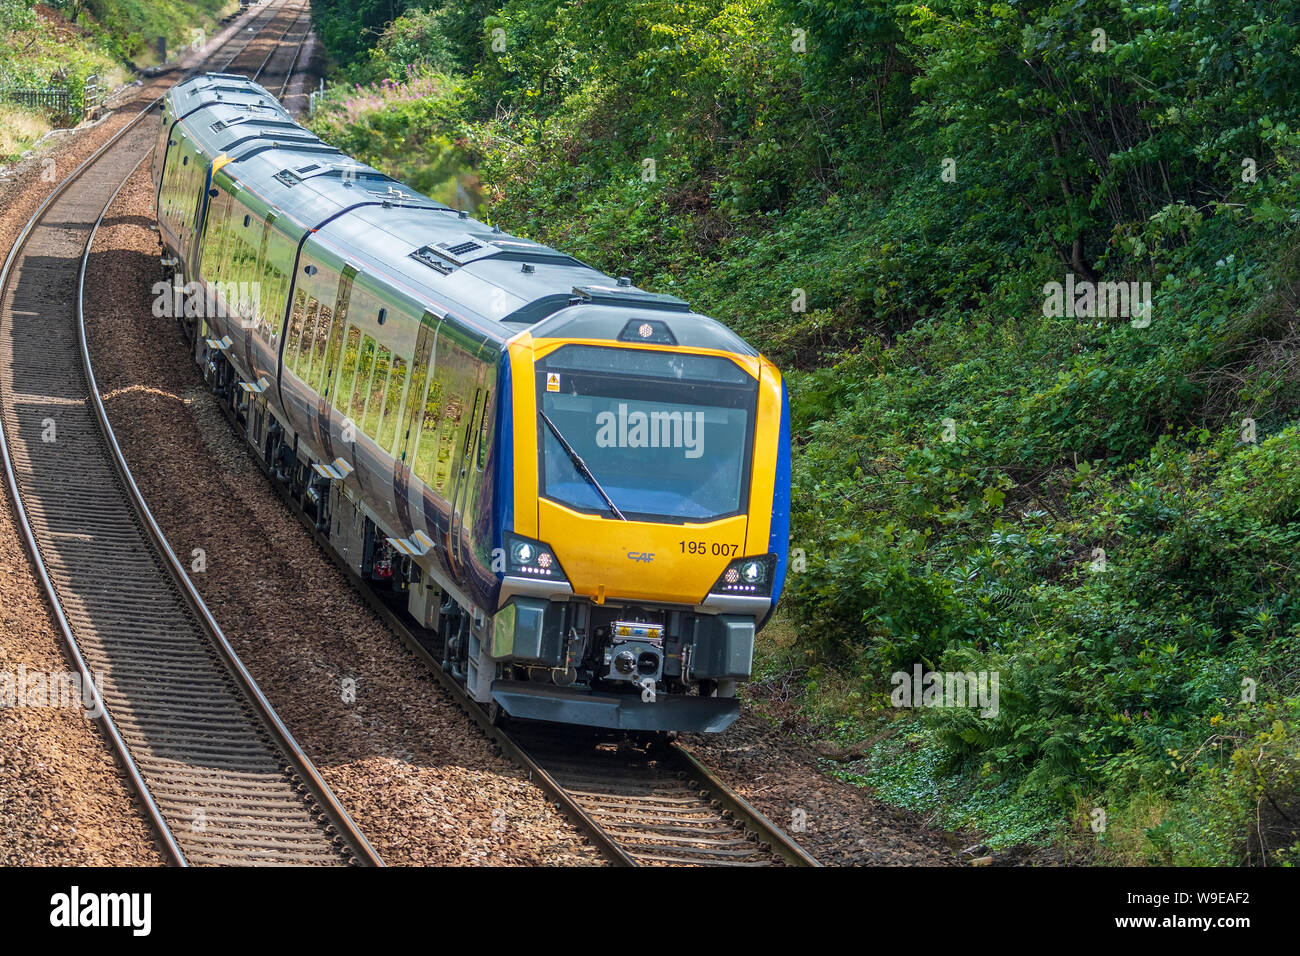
[[57, 101]]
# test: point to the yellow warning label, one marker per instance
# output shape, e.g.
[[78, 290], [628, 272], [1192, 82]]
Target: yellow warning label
[[552, 381]]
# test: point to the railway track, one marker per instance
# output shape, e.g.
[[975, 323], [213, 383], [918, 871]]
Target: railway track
[[282, 41], [220, 777]]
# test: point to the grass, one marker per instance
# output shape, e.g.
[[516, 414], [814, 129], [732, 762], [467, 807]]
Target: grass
[[20, 129]]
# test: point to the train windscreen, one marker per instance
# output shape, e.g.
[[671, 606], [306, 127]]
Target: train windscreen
[[659, 436]]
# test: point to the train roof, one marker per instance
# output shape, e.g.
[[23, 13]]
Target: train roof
[[439, 255]]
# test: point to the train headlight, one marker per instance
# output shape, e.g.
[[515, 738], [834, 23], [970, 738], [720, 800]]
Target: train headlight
[[751, 576], [531, 559]]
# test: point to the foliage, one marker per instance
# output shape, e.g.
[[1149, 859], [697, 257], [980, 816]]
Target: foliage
[[1103, 509]]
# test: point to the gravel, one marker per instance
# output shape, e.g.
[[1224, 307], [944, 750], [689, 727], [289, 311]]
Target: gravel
[[842, 825]]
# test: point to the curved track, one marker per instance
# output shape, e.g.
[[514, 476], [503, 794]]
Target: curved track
[[221, 778]]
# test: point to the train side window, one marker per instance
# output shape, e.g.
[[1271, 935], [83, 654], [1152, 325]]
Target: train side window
[[247, 275], [361, 387], [170, 173], [293, 338], [426, 450], [212, 239], [303, 362], [266, 297], [328, 347], [348, 369], [320, 335], [374, 399], [221, 222], [471, 434], [234, 253], [447, 444], [274, 308], [485, 433], [391, 425]]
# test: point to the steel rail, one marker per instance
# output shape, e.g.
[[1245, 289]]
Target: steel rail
[[293, 64], [337, 817], [304, 12], [302, 764], [272, 11]]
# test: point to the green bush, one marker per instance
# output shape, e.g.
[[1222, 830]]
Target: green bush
[[1104, 511]]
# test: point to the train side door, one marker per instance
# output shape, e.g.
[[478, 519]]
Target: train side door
[[332, 351], [421, 374], [201, 215]]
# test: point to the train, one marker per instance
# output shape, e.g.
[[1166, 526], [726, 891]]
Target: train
[[578, 490]]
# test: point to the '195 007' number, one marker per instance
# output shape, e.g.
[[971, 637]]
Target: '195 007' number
[[703, 547]]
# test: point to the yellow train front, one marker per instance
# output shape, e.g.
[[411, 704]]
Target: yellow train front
[[644, 539]]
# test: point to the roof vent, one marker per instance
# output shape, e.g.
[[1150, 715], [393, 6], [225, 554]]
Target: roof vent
[[459, 251], [430, 258], [288, 177], [469, 245]]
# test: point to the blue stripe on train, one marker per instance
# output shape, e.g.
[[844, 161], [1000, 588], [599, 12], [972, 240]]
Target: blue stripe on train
[[779, 540], [503, 492]]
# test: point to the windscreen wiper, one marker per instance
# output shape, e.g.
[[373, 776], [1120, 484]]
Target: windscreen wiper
[[581, 465]]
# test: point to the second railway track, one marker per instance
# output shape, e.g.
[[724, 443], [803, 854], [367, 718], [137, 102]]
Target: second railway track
[[221, 778]]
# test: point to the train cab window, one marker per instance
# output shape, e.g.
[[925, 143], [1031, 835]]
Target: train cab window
[[391, 425], [361, 387], [348, 370], [375, 396], [669, 436]]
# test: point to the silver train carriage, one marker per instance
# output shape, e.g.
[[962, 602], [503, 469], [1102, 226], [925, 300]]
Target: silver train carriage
[[401, 366]]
